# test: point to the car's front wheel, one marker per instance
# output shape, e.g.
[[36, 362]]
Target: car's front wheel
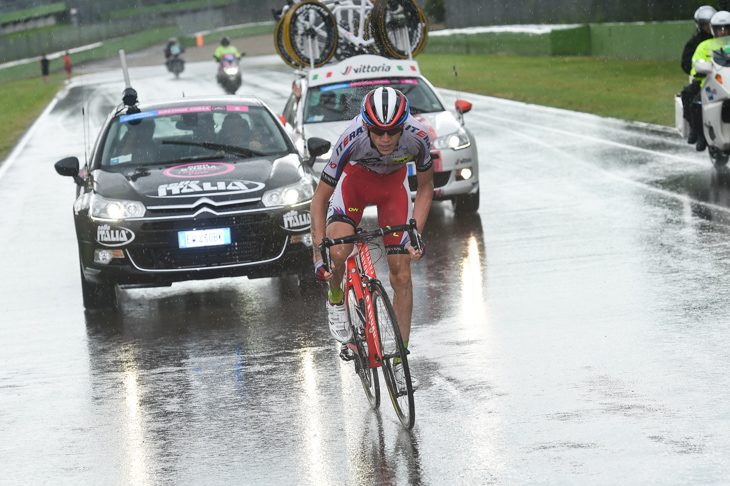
[[466, 203], [98, 296]]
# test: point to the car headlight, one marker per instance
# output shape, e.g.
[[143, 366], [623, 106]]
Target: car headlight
[[114, 209], [289, 195], [454, 141]]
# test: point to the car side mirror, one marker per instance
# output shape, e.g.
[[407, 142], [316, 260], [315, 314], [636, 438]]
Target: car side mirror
[[703, 67], [316, 147], [69, 167], [462, 106]]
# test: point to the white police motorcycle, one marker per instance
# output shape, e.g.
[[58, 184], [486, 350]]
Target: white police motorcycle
[[716, 101]]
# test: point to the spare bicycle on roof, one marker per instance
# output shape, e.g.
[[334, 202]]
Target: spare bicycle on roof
[[310, 33]]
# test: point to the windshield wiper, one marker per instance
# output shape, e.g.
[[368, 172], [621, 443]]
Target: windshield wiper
[[218, 146], [185, 159]]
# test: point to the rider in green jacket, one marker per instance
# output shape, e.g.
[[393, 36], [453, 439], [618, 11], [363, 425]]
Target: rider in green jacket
[[225, 48]]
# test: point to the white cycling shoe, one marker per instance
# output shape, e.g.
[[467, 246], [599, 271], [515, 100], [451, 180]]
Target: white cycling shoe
[[339, 322], [400, 379]]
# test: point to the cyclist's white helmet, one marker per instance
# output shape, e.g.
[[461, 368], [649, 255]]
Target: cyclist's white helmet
[[720, 19], [703, 15]]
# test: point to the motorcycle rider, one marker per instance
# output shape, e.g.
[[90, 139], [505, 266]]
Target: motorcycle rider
[[702, 21], [172, 48], [720, 26], [225, 48]]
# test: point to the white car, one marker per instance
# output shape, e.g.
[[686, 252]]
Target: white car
[[331, 97]]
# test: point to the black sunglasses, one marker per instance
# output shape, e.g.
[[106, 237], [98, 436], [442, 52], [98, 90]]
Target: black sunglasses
[[380, 132]]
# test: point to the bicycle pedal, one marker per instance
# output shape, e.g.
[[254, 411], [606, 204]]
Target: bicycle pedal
[[346, 353]]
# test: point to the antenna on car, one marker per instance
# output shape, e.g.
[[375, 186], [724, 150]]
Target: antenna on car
[[125, 71], [129, 96]]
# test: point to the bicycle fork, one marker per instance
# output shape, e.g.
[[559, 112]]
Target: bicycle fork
[[364, 272]]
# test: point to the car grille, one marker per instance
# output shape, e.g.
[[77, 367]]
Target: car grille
[[440, 179], [253, 239]]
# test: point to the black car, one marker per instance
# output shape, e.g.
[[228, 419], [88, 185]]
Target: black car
[[190, 189]]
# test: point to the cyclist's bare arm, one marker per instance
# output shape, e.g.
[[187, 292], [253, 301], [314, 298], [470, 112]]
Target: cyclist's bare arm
[[319, 216], [422, 205]]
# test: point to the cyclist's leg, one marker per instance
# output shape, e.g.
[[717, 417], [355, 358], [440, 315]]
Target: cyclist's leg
[[343, 216], [400, 281], [339, 253], [394, 208]]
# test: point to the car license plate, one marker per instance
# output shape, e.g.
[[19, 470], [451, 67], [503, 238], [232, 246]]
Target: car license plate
[[411, 169], [201, 238]]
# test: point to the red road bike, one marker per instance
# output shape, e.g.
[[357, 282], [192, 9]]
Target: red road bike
[[376, 341]]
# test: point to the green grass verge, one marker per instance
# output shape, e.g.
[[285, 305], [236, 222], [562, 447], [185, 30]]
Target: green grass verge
[[22, 102], [40, 30], [627, 89], [28, 13]]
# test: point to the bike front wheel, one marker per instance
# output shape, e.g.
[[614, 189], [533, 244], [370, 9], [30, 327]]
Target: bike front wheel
[[392, 352], [368, 376]]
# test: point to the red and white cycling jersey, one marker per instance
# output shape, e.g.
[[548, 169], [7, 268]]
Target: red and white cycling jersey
[[362, 177], [354, 147]]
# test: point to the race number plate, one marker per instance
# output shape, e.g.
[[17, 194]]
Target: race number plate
[[201, 238]]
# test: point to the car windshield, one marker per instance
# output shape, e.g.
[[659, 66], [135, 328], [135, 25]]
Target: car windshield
[[339, 102], [191, 133]]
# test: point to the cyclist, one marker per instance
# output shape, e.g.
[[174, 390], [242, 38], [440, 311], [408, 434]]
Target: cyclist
[[225, 48], [368, 167]]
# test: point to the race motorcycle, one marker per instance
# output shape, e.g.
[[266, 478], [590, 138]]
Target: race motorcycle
[[175, 64], [716, 101], [229, 73]]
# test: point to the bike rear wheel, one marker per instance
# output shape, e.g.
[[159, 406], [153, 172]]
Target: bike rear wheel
[[368, 376], [392, 349]]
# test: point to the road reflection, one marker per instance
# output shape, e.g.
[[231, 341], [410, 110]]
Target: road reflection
[[224, 367], [708, 193], [384, 459]]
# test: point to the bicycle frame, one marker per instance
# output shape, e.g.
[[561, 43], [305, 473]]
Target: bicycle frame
[[360, 275], [360, 272], [339, 8], [362, 11]]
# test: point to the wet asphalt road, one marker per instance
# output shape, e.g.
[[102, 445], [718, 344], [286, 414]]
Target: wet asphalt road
[[573, 332]]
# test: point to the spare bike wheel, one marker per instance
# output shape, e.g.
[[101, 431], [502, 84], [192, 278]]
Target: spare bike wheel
[[398, 24], [281, 47], [310, 33]]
